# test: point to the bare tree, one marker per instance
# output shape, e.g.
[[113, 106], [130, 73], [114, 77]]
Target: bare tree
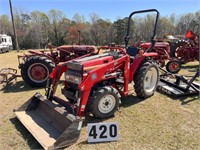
[[56, 19]]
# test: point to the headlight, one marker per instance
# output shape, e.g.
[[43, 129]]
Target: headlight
[[73, 79]]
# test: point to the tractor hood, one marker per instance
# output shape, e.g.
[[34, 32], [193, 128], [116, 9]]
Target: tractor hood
[[157, 45], [89, 63], [77, 68], [163, 45], [72, 48]]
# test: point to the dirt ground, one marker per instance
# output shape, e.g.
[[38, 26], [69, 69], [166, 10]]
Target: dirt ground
[[158, 122]]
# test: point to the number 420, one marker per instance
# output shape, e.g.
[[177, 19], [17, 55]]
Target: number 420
[[102, 132]]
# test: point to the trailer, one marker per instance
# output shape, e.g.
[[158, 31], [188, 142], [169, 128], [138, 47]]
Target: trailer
[[5, 43]]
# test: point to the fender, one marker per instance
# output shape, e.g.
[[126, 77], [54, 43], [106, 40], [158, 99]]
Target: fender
[[41, 54], [36, 52], [151, 54]]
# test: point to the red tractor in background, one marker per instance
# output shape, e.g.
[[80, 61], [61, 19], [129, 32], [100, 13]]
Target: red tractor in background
[[163, 50], [93, 84], [37, 65], [187, 51], [190, 51]]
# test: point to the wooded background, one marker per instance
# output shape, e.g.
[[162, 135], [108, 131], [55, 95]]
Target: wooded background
[[34, 28]]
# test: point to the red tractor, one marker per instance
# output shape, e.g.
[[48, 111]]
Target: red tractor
[[162, 49], [93, 84], [189, 52], [36, 66], [186, 52]]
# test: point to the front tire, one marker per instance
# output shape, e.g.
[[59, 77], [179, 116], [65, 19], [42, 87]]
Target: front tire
[[146, 79], [35, 70], [173, 66], [104, 102]]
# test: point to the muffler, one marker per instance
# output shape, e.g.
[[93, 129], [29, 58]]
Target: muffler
[[51, 125]]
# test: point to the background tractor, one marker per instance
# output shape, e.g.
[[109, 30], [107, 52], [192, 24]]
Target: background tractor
[[173, 42], [187, 51], [37, 65], [163, 50], [93, 84]]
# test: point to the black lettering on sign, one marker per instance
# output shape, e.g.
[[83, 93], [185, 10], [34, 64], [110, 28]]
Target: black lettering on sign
[[103, 128], [93, 132]]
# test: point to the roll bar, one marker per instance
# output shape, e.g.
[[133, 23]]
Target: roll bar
[[127, 37]]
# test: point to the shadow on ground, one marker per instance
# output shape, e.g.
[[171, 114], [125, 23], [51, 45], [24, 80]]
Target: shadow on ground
[[26, 135], [130, 100], [193, 68], [19, 86], [185, 100]]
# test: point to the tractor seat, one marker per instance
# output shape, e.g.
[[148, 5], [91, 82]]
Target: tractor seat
[[132, 51]]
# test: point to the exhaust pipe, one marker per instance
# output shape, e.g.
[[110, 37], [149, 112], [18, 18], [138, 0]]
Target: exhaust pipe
[[52, 126]]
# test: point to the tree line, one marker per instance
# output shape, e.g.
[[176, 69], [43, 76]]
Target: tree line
[[33, 29]]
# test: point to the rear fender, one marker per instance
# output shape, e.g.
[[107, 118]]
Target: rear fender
[[137, 61], [34, 52], [151, 54], [48, 55]]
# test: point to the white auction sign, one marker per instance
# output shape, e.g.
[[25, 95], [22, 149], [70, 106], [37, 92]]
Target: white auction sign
[[103, 132]]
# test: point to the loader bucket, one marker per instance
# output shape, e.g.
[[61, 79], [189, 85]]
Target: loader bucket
[[52, 126]]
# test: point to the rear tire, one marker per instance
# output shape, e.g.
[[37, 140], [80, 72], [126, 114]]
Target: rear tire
[[104, 102], [146, 79], [173, 66], [35, 70]]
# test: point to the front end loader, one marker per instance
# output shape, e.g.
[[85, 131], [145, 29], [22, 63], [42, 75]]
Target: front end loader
[[52, 126], [94, 85]]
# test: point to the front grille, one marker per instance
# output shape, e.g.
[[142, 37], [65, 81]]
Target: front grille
[[74, 70], [74, 65]]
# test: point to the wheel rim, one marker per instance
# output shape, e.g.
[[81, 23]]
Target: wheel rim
[[107, 103], [174, 66], [150, 79], [38, 72]]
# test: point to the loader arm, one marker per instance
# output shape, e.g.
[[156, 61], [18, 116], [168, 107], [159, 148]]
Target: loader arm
[[99, 75], [55, 75]]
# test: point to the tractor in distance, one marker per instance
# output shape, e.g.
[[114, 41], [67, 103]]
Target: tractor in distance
[[187, 51], [93, 84], [37, 65]]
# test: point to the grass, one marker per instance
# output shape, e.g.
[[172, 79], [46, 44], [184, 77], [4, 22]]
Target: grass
[[158, 122]]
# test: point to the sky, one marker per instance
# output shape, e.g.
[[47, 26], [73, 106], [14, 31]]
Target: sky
[[105, 9]]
